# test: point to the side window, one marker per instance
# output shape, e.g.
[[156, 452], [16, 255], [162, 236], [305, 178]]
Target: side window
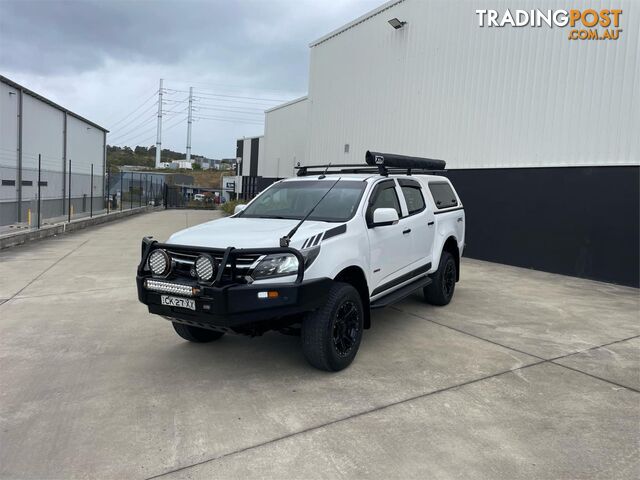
[[387, 198], [384, 196], [414, 199], [443, 195]]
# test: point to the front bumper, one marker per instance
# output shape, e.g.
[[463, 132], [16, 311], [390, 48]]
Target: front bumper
[[238, 305], [229, 302]]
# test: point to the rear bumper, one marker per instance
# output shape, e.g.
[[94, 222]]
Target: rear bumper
[[239, 305]]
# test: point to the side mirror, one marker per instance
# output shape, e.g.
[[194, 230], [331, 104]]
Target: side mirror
[[384, 216], [239, 208]]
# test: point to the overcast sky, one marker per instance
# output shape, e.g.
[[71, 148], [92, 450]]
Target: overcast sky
[[103, 59]]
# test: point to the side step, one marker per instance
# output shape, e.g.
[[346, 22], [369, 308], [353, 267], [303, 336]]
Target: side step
[[401, 293]]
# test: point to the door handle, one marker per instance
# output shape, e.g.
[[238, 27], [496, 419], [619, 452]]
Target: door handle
[[430, 223], [408, 230], [459, 219]]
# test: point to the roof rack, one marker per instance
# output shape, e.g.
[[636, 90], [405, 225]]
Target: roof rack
[[381, 163]]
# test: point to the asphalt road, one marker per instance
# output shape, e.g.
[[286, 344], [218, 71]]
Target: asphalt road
[[525, 375]]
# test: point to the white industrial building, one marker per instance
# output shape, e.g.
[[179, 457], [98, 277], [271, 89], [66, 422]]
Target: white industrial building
[[33, 126], [539, 132]]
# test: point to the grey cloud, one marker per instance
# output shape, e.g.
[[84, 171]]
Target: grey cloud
[[100, 57], [53, 37]]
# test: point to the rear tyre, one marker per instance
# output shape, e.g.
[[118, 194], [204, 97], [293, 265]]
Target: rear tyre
[[440, 291], [195, 334], [332, 334]]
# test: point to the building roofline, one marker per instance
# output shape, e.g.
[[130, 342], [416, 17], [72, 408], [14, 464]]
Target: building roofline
[[251, 138], [287, 104], [357, 21], [37, 96]]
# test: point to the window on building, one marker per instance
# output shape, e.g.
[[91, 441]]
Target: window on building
[[27, 183], [8, 183], [44, 184], [413, 197], [346, 148], [443, 195]]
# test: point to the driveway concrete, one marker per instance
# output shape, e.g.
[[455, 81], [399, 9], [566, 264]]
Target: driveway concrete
[[524, 375]]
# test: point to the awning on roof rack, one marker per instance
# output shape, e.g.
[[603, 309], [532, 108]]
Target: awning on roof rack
[[376, 159]]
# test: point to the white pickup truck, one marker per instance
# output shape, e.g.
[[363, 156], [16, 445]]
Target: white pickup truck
[[312, 255]]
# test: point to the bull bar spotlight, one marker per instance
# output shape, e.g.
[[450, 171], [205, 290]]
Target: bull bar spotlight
[[205, 268], [159, 262]]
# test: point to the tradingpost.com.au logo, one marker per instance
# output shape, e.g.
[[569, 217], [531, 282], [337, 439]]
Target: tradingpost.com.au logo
[[586, 24]]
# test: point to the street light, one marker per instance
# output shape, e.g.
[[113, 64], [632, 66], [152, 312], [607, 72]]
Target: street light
[[395, 23]]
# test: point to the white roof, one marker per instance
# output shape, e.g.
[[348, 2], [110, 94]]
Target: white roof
[[286, 104]]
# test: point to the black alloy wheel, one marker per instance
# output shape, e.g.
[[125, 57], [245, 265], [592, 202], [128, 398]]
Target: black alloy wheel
[[346, 328]]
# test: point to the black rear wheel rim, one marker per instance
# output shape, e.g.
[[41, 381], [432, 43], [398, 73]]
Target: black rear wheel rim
[[346, 328], [449, 279]]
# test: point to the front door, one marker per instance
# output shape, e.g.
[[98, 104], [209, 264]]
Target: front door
[[388, 246]]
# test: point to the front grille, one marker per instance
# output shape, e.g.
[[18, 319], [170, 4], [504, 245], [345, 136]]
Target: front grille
[[184, 263]]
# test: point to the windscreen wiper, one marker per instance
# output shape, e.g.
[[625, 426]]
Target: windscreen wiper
[[284, 241]]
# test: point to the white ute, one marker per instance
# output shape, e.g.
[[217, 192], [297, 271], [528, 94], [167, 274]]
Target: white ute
[[312, 255]]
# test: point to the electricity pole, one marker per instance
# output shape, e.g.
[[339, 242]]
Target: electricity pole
[[159, 135], [189, 121]]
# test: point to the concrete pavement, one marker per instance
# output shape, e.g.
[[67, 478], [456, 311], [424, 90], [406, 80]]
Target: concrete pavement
[[525, 375]]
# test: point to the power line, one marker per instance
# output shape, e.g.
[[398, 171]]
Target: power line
[[243, 97], [143, 124], [216, 109], [129, 131], [247, 121], [134, 111], [138, 135], [228, 87], [145, 112]]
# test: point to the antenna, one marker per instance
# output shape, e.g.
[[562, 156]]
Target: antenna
[[284, 241], [324, 174]]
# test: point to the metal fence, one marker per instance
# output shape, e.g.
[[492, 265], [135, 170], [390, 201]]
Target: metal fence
[[176, 196], [42, 193]]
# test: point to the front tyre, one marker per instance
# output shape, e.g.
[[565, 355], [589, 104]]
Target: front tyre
[[332, 334], [440, 291], [195, 334]]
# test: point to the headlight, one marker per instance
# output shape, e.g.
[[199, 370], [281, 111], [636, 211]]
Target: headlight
[[205, 268], [159, 262], [277, 265]]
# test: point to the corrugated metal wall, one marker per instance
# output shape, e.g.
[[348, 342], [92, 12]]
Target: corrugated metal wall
[[285, 134], [476, 97], [43, 133]]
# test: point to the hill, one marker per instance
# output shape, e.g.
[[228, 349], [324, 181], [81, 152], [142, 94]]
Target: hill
[[140, 156]]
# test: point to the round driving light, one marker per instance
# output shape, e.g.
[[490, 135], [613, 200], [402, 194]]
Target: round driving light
[[205, 268], [159, 262]]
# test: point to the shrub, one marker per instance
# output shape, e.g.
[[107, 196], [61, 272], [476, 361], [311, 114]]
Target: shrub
[[229, 206]]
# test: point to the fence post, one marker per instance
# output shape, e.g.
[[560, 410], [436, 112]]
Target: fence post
[[108, 195], [130, 190], [69, 204], [140, 191], [165, 194], [121, 191], [39, 181], [91, 199]]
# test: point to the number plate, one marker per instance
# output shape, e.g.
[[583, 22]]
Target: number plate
[[178, 302]]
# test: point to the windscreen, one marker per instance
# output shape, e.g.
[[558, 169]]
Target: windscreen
[[293, 200]]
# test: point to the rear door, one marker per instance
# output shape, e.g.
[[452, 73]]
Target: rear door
[[420, 220]]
